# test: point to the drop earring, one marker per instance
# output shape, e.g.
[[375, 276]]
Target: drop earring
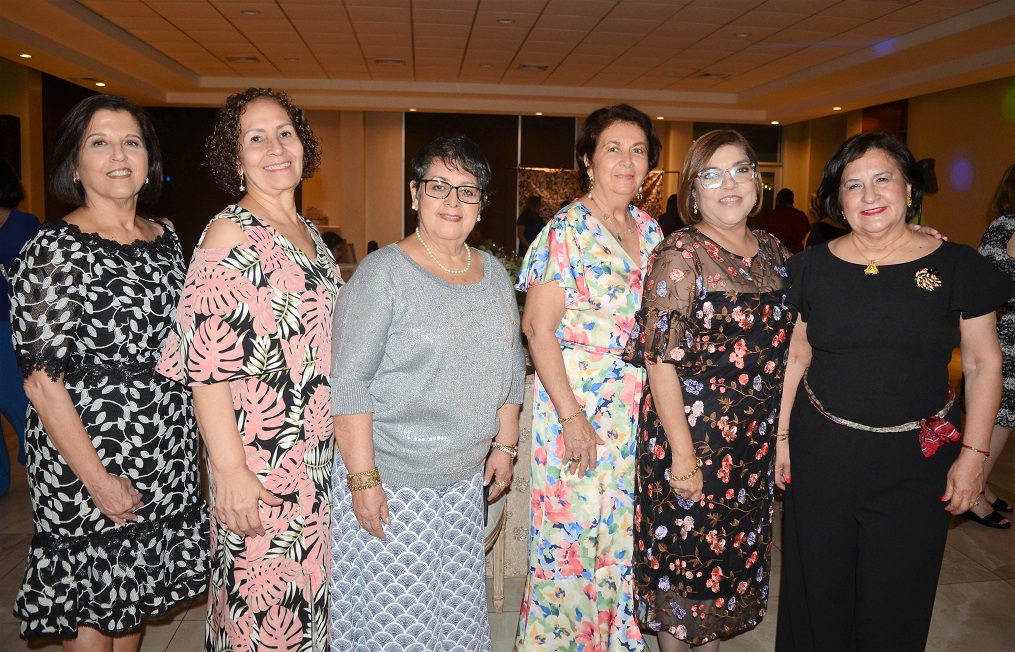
[[592, 184], [77, 179], [695, 208], [243, 188], [479, 218], [146, 181], [640, 196], [909, 201]]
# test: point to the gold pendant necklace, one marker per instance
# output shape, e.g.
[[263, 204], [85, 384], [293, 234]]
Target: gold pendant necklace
[[618, 235], [872, 266]]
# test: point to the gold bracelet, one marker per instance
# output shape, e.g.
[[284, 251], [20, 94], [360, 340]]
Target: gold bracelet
[[977, 450], [561, 420], [688, 476], [504, 448], [365, 480], [782, 436]]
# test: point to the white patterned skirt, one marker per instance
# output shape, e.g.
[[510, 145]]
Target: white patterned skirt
[[423, 589]]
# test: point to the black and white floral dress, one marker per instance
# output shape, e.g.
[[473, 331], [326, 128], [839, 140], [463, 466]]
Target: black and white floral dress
[[994, 246], [96, 313]]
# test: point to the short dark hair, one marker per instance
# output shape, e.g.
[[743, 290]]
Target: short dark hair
[[784, 197], [598, 121], [70, 136], [11, 191], [698, 156], [854, 148], [458, 152], [222, 149]]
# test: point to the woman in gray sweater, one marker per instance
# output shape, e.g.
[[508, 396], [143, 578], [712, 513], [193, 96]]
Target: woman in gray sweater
[[427, 380]]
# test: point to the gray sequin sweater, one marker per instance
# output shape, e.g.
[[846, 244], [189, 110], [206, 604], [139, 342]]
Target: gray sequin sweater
[[432, 361]]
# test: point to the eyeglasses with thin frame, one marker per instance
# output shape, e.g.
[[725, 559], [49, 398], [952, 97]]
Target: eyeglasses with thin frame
[[441, 189], [740, 173]]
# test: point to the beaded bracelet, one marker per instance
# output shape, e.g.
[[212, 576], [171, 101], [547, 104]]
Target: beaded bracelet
[[563, 419], [504, 448], [365, 480], [688, 476], [977, 450]]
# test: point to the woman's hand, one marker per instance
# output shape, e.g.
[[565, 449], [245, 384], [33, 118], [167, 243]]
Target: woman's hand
[[691, 487], [928, 230], [965, 480], [116, 497], [370, 506], [500, 468], [580, 442], [782, 476], [236, 501]]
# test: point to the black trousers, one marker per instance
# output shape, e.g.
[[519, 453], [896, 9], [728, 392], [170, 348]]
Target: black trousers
[[864, 536]]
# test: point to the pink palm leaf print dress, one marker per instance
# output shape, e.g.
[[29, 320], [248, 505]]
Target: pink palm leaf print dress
[[258, 316]]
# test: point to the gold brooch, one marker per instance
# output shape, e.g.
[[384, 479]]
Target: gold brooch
[[927, 279]]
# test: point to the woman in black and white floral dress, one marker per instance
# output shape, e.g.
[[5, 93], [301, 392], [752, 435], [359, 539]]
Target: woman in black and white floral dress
[[121, 529]]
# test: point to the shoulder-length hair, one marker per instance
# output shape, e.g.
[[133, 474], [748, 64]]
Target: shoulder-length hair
[[222, 149], [698, 156], [70, 136], [855, 147], [598, 121]]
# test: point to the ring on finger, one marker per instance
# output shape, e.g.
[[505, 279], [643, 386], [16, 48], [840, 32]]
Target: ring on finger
[[503, 484], [576, 458]]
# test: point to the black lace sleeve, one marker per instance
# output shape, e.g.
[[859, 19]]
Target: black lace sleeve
[[47, 294]]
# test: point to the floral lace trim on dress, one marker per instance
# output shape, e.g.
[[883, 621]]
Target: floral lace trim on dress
[[164, 242]]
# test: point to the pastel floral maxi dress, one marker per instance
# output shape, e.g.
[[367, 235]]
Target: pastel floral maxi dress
[[578, 594], [259, 316], [701, 568]]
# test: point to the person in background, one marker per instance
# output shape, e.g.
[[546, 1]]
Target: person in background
[[790, 225], [584, 278], [998, 246], [867, 451], [530, 223], [121, 527], [825, 229], [713, 333], [16, 228], [427, 380], [670, 221], [252, 339]]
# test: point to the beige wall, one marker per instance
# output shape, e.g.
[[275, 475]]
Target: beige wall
[[21, 96], [360, 184], [973, 141], [677, 138], [806, 148]]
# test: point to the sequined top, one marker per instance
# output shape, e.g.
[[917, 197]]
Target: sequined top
[[432, 361]]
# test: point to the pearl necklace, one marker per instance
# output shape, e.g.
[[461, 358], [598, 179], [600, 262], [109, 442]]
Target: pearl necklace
[[468, 256]]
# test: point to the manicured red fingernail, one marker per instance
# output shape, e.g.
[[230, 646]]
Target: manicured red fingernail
[[788, 480], [944, 497]]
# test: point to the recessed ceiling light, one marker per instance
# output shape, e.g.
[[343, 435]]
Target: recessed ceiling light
[[25, 55], [775, 122], [659, 117], [292, 59], [505, 21], [539, 113], [100, 83], [486, 65], [742, 34], [412, 110], [250, 12], [837, 108]]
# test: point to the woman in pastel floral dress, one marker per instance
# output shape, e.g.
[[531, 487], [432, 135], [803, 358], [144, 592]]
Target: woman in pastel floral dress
[[713, 332], [583, 275], [253, 340]]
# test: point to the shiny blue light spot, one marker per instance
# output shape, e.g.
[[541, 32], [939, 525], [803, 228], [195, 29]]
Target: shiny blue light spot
[[886, 47], [961, 175]]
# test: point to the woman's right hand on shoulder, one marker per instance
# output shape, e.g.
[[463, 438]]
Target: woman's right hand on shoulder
[[370, 506], [236, 501], [782, 474], [691, 487], [116, 497]]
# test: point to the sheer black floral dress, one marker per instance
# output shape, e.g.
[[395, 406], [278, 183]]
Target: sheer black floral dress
[[96, 313], [702, 569]]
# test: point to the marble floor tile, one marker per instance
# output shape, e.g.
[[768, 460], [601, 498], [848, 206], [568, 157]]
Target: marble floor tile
[[973, 616]]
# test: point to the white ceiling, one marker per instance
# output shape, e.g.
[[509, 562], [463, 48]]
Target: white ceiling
[[712, 60]]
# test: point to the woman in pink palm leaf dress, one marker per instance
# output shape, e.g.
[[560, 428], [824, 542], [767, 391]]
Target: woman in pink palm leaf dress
[[253, 340]]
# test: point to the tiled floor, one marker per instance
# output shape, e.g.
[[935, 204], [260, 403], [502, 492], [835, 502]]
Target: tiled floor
[[975, 608]]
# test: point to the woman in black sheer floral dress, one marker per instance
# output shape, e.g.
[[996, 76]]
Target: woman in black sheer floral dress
[[712, 333], [121, 530]]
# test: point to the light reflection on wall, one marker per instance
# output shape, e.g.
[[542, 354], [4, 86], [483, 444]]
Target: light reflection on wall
[[1008, 104], [961, 175], [886, 47]]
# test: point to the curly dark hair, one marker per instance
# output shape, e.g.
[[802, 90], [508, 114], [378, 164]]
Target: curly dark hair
[[70, 136], [854, 148], [696, 160], [223, 145], [596, 124]]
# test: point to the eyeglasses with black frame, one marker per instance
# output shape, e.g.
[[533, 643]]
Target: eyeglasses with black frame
[[441, 189], [740, 173]]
